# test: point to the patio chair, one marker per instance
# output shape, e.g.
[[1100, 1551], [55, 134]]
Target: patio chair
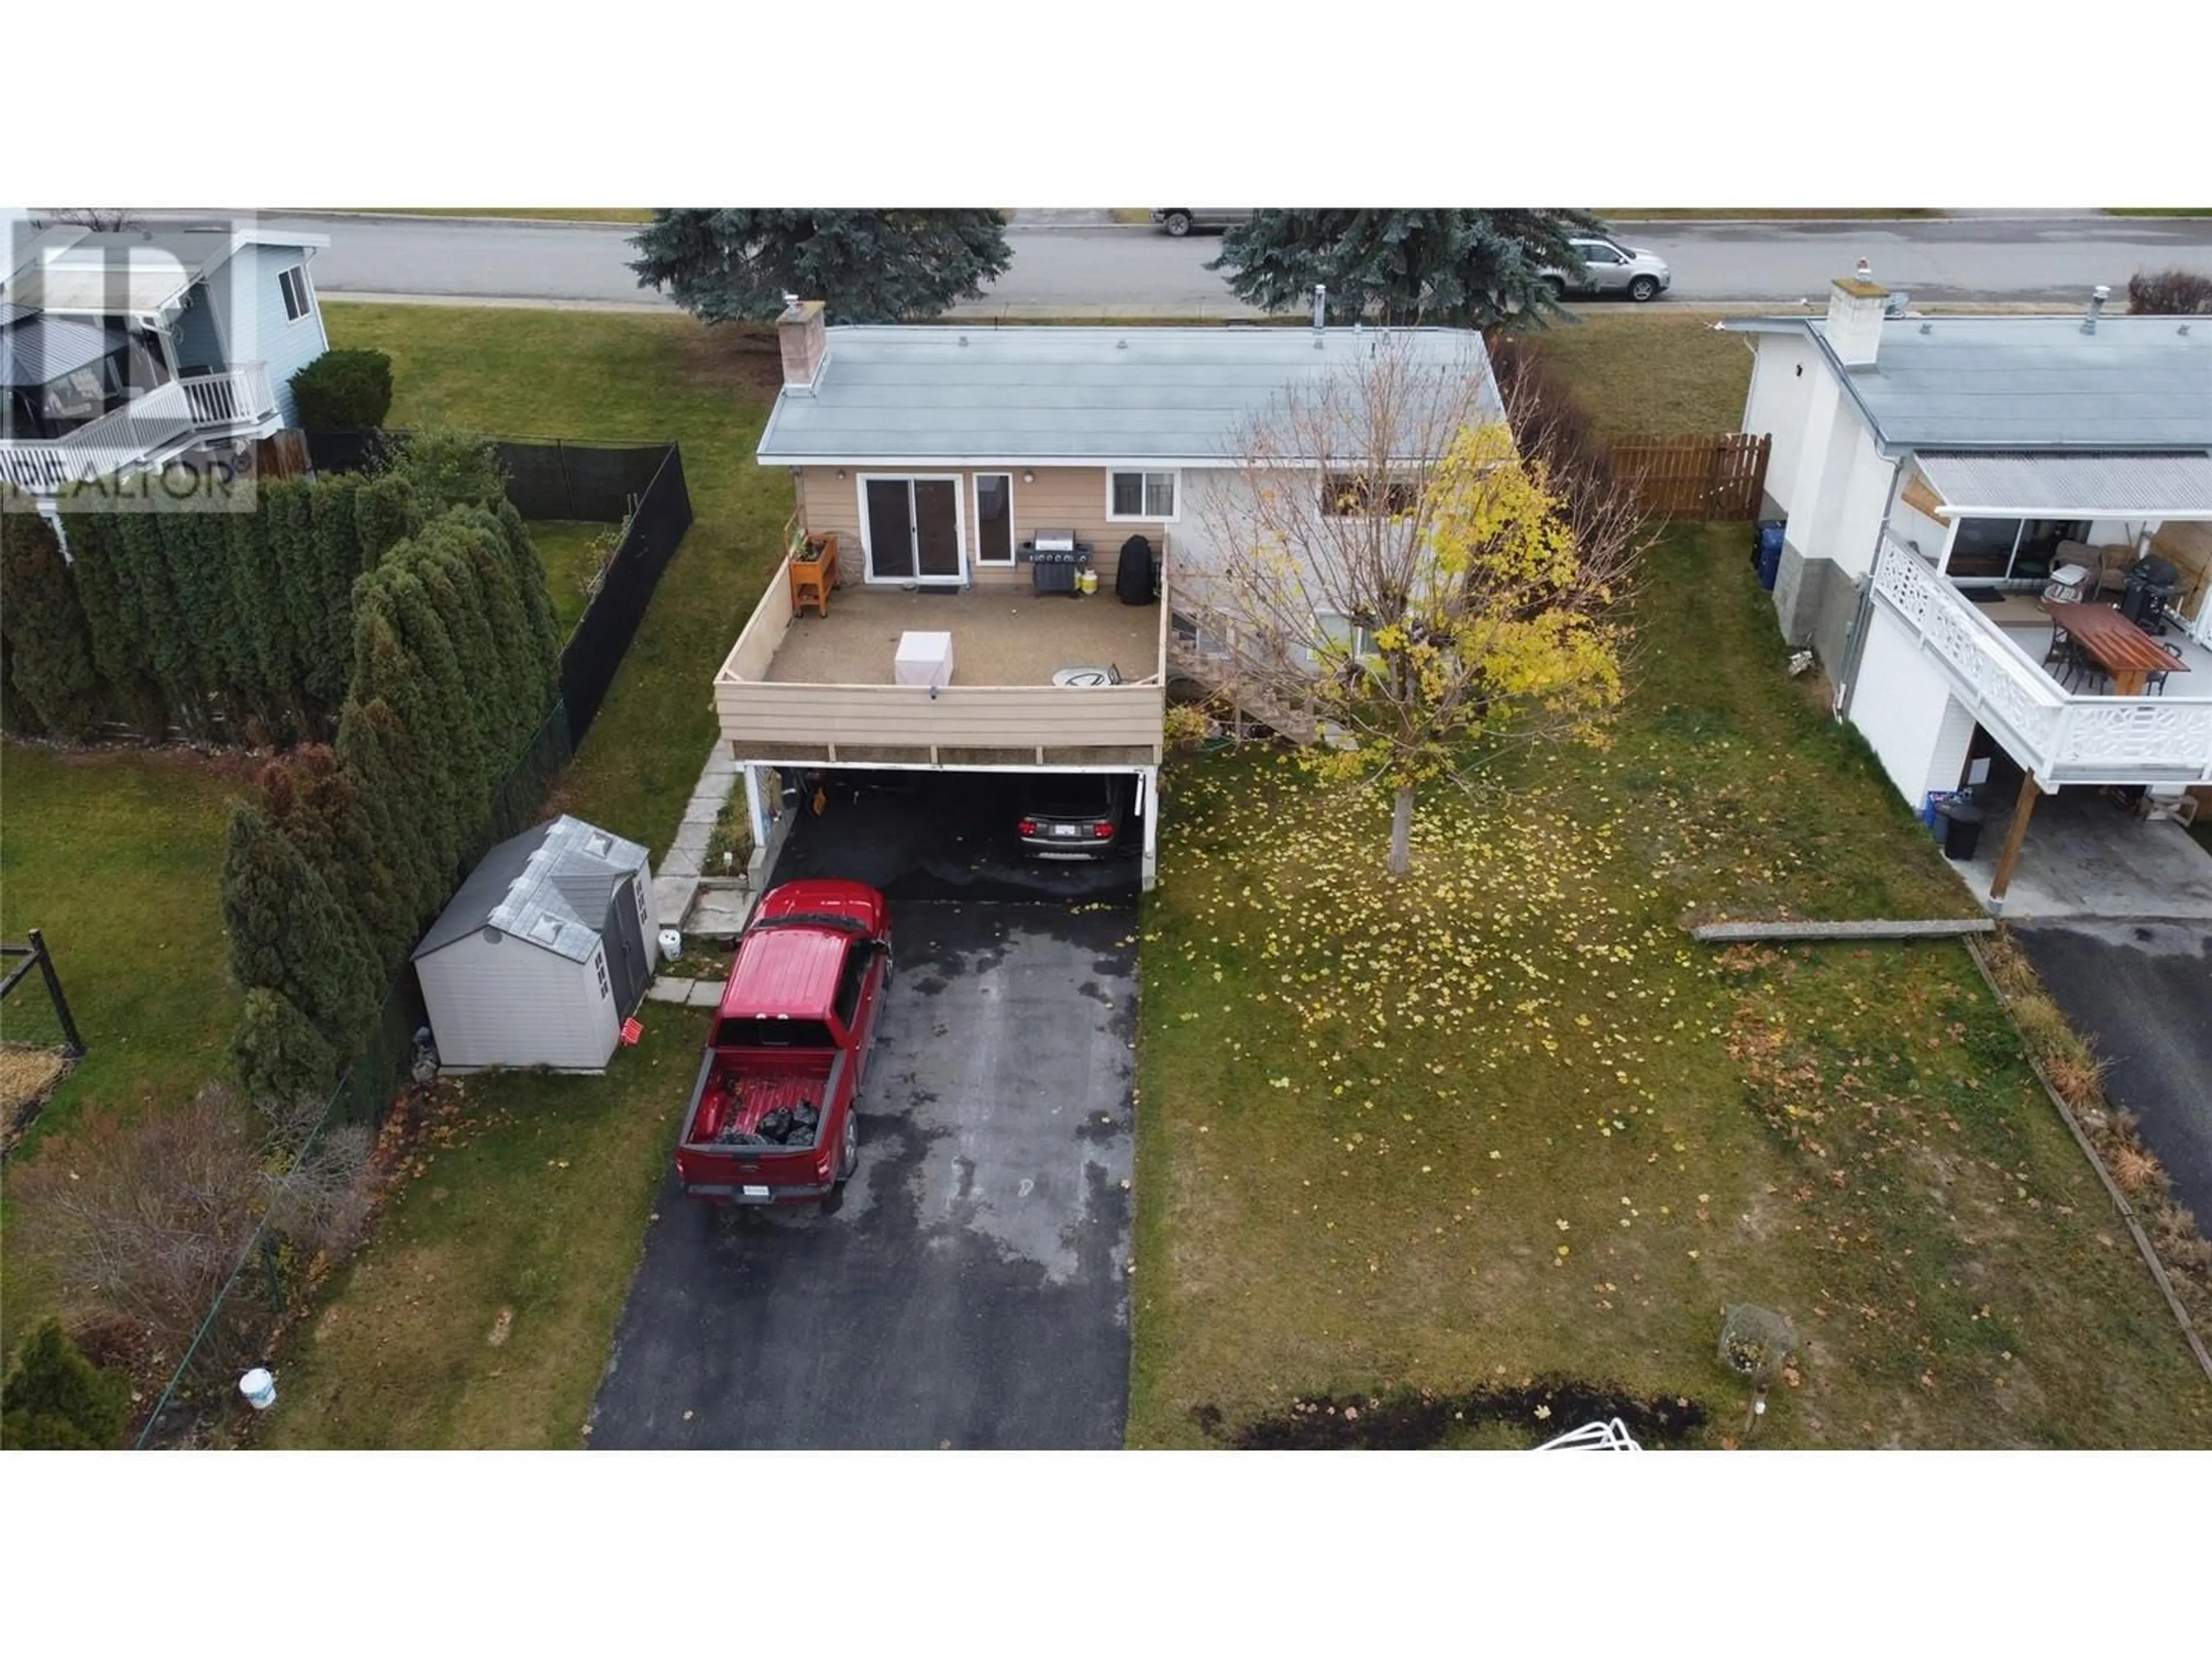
[[2156, 682], [2077, 665]]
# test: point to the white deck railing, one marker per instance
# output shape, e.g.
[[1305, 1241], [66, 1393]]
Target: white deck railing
[[142, 431], [2061, 738]]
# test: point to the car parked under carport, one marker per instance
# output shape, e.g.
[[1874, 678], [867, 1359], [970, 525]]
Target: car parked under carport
[[970, 1289]]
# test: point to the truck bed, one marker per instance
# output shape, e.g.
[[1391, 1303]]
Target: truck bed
[[734, 1103]]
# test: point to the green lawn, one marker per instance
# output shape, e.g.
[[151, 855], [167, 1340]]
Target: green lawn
[[1646, 373], [529, 1201], [569, 551], [117, 856], [1506, 1120]]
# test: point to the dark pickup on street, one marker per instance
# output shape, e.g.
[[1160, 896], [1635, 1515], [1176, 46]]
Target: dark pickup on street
[[771, 1119]]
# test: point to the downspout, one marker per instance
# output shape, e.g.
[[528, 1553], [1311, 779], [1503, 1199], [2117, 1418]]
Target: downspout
[[1854, 641]]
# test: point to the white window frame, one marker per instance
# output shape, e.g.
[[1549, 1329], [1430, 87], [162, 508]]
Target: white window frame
[[298, 272], [1173, 474], [1360, 638], [860, 482], [1013, 531]]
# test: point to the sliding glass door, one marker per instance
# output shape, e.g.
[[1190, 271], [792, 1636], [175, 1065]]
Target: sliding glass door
[[913, 528]]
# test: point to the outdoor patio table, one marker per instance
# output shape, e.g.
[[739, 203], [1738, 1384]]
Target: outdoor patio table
[[2125, 652]]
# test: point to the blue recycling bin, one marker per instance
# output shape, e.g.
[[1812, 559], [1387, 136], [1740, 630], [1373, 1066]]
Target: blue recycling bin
[[1769, 551]]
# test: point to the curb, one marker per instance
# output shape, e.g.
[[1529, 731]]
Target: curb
[[473, 220]]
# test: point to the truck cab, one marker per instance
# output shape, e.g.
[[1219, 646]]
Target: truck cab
[[772, 1117]]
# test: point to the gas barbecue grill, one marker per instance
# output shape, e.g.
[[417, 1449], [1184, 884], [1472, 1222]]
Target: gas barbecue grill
[[1055, 559]]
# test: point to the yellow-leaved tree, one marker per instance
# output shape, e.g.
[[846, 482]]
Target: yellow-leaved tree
[[1387, 576]]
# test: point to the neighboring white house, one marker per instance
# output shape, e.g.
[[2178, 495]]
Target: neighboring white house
[[1935, 473], [542, 954], [936, 459], [121, 352]]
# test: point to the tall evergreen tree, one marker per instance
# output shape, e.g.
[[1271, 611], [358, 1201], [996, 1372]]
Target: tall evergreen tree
[[1449, 267], [50, 663], [870, 266], [277, 1052], [289, 934], [406, 882], [528, 571], [335, 559]]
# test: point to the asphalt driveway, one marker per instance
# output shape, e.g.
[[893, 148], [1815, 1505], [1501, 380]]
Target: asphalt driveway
[[970, 1289], [2142, 990]]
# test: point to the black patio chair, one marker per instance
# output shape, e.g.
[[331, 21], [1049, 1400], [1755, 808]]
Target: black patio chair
[[2156, 683]]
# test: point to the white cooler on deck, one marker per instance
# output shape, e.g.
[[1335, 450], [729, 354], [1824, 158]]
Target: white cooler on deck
[[924, 659]]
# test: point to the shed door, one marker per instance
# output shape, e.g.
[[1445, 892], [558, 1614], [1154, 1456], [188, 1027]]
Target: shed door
[[624, 937]]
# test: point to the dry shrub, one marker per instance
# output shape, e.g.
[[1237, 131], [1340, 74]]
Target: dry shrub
[[141, 1222], [2133, 1168]]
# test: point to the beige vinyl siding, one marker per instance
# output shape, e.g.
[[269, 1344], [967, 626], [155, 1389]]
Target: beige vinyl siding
[[1062, 498], [1124, 719]]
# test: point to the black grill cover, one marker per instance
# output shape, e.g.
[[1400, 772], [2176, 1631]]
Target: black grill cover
[[1133, 582]]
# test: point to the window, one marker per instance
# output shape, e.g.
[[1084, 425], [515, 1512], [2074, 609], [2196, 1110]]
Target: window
[[600, 962], [1140, 495], [763, 1031], [293, 283], [1353, 495], [858, 955], [1355, 639], [1203, 637], [994, 517], [1598, 253]]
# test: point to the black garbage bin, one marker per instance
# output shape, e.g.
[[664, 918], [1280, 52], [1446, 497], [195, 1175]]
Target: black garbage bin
[[1962, 829]]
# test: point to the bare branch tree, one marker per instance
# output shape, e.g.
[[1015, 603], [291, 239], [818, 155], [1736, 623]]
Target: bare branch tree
[[1386, 576], [92, 218]]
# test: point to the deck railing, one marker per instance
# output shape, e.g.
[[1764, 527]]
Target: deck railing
[[143, 431], [2062, 738], [772, 719]]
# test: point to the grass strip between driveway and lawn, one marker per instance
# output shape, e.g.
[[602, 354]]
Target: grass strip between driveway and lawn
[[1504, 1122]]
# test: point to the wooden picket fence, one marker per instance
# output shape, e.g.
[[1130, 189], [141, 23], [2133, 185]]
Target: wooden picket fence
[[1715, 477]]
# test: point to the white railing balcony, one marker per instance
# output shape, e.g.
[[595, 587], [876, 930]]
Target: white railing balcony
[[142, 432], [2061, 738]]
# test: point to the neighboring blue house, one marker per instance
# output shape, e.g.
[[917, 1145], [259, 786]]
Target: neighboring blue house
[[124, 351]]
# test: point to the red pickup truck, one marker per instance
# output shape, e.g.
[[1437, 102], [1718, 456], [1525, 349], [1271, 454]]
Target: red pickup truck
[[771, 1119]]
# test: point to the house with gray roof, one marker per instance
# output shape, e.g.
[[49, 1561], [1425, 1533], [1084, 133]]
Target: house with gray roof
[[1950, 486], [542, 954], [122, 351], [989, 526]]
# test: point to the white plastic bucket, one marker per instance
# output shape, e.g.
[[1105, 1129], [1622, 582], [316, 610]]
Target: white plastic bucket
[[259, 1387], [671, 944]]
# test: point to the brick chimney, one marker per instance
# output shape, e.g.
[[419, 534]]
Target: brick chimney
[[1855, 312], [805, 341]]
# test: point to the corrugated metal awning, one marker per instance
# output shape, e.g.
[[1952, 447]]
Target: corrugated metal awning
[[46, 348], [2072, 486], [140, 279]]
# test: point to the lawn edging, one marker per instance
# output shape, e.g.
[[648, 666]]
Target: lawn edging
[[2127, 1210]]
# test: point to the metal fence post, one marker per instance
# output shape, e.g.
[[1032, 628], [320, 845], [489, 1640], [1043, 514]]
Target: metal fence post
[[76, 1043]]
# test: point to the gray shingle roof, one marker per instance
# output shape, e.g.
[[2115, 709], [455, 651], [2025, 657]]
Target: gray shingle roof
[[547, 886], [1055, 394], [2031, 382]]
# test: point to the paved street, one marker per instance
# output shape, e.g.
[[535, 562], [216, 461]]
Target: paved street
[[1136, 272]]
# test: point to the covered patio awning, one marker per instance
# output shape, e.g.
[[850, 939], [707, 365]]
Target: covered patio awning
[[2115, 485], [44, 349]]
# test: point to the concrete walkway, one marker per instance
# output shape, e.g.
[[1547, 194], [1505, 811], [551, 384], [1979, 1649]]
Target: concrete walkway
[[677, 881]]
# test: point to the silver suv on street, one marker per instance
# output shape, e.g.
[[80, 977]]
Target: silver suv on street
[[1610, 268]]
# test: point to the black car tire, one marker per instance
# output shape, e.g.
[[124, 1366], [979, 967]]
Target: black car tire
[[848, 1149], [1558, 287], [1177, 223], [1641, 289]]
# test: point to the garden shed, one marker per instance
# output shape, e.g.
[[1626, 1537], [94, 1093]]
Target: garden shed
[[542, 954]]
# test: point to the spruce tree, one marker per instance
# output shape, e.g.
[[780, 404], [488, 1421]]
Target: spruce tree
[[335, 561], [56, 1399], [50, 664], [407, 881], [528, 571], [870, 264], [1449, 267]]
